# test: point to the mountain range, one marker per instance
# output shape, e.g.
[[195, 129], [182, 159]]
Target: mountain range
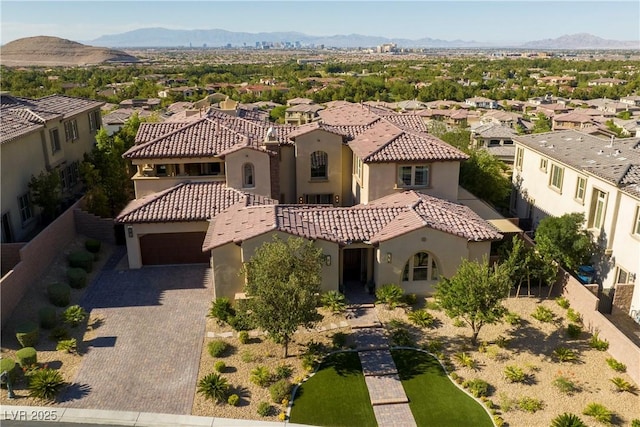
[[162, 37]]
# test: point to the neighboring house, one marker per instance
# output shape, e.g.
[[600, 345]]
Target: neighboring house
[[214, 174], [39, 135], [300, 114], [568, 171], [631, 100], [607, 81], [496, 139], [481, 102], [576, 119], [147, 103], [299, 101], [115, 120], [610, 106]]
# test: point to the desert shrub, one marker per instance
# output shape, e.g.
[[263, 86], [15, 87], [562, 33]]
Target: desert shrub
[[92, 245], [401, 337], [433, 346], [45, 383], [242, 321], [597, 343], [334, 301], [574, 316], [410, 299], [233, 400], [339, 339], [213, 386], [465, 360], [507, 403], [243, 337], [622, 385], [421, 318], [247, 356], [502, 342], [389, 295], [599, 412], [69, 346], [219, 366], [563, 302], [564, 354], [515, 374], [543, 314], [59, 294], [221, 309], [9, 366], [567, 420], [217, 348], [459, 323], [280, 390], [310, 361], [74, 315], [635, 422], [432, 304], [77, 278], [530, 404], [27, 357], [283, 371], [27, 334], [47, 317], [477, 387], [59, 333], [512, 318], [81, 259], [574, 331], [498, 421], [565, 384], [264, 409], [615, 365], [261, 375]]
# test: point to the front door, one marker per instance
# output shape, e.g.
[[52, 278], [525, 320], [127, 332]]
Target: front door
[[352, 265]]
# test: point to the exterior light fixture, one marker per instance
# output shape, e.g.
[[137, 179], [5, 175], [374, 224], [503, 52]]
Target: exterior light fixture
[[130, 231], [327, 260], [389, 257]]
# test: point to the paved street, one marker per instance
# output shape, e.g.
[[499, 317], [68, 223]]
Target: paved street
[[146, 353]]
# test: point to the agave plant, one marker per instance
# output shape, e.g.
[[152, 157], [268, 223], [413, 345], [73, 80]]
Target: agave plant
[[567, 420], [214, 386], [334, 301], [45, 383]]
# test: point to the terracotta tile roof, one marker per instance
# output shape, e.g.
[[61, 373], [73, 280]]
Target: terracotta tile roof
[[21, 116], [384, 219], [349, 115], [310, 127], [189, 201]]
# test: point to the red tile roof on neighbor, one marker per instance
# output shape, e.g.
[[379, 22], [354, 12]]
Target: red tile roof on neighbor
[[189, 201], [384, 219]]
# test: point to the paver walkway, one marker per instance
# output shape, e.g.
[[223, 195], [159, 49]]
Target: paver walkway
[[390, 402], [145, 356]]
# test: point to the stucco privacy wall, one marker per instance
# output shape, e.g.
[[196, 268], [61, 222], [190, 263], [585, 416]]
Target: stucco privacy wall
[[94, 227], [620, 347], [35, 257], [10, 253]]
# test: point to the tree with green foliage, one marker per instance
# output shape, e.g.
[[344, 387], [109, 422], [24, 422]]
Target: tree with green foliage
[[564, 240], [475, 294], [485, 176], [283, 280], [277, 113], [46, 192], [541, 124]]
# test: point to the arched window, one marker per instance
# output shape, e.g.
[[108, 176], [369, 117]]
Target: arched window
[[248, 180], [319, 168], [421, 266]]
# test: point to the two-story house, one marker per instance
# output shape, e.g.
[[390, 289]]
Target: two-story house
[[568, 171], [217, 187], [482, 102], [38, 135]]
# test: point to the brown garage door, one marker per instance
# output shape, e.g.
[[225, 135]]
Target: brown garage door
[[173, 248]]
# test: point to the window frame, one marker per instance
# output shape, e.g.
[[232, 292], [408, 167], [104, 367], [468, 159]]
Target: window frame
[[54, 136], [519, 158], [597, 216], [636, 222], [25, 208], [581, 189], [556, 173], [248, 179], [413, 173], [358, 166], [316, 173], [621, 272], [544, 164], [429, 266], [94, 120]]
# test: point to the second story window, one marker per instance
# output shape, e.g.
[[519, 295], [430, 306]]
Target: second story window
[[71, 130], [55, 141], [319, 160], [248, 180], [543, 164], [581, 187], [94, 120], [557, 175], [357, 167], [24, 203], [413, 176], [598, 209], [636, 223], [519, 157]]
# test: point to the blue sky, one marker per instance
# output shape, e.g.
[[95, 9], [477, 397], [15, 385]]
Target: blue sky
[[487, 21]]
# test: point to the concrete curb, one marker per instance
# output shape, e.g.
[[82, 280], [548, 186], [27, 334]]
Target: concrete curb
[[124, 418]]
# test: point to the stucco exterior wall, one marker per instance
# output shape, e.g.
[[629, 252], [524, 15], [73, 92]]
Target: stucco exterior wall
[[287, 175], [319, 140], [262, 178], [138, 230]]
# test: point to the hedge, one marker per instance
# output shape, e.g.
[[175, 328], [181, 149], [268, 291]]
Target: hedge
[[27, 357], [27, 334], [77, 278], [48, 318]]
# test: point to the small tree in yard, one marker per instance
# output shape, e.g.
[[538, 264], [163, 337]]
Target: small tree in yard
[[283, 279], [46, 193], [564, 240], [475, 293]]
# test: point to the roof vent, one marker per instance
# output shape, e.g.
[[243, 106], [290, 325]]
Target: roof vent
[[600, 152]]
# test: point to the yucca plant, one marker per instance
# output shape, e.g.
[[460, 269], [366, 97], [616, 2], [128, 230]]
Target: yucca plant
[[574, 316], [567, 420], [622, 385], [334, 301], [45, 383], [261, 376], [599, 412], [563, 302], [421, 318], [70, 345], [390, 295], [597, 343], [615, 365], [465, 360], [512, 318], [543, 314], [564, 354], [74, 315], [477, 387], [515, 374], [214, 386], [530, 404], [565, 385], [574, 331]]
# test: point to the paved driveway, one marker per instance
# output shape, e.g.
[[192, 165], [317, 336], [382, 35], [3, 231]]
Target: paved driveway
[[146, 354]]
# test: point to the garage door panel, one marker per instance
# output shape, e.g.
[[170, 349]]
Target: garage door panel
[[173, 248]]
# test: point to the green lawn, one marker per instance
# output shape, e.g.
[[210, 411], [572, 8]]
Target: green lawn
[[335, 396], [434, 399]]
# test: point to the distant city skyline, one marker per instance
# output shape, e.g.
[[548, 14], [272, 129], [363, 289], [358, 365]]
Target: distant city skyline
[[482, 21]]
